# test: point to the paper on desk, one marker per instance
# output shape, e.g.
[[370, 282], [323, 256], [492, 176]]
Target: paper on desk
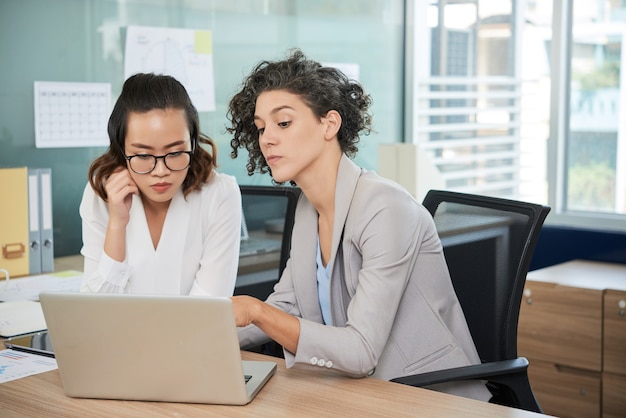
[[16, 364], [28, 288], [21, 317]]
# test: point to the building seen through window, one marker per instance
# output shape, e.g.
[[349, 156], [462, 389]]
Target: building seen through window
[[485, 100]]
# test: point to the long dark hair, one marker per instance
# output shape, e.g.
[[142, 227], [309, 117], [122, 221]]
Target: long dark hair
[[141, 93]]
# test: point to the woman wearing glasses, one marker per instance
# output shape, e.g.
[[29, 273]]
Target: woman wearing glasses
[[156, 216]]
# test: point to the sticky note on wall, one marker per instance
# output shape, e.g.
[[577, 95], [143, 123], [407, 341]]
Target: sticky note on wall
[[203, 42]]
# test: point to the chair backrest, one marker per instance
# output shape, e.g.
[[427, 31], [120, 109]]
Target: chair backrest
[[488, 244], [270, 209]]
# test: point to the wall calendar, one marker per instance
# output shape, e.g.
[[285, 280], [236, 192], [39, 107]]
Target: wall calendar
[[69, 114]]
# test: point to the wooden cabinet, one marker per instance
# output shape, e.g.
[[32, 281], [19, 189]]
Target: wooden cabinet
[[564, 391], [614, 355], [615, 332], [572, 329], [613, 395]]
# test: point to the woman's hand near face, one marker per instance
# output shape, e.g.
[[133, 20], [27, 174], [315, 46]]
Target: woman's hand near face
[[120, 187]]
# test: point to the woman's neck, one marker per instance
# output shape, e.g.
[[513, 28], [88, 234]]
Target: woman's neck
[[155, 218], [319, 184]]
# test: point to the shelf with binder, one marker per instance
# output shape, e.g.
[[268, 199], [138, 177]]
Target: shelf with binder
[[26, 221]]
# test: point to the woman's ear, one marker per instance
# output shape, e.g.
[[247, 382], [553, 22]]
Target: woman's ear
[[332, 120]]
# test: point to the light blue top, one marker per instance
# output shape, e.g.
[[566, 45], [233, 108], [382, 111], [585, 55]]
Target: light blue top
[[323, 285]]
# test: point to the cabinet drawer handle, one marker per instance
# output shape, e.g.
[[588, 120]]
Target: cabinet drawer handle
[[528, 295]]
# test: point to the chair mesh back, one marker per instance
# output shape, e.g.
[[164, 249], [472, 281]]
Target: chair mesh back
[[488, 244]]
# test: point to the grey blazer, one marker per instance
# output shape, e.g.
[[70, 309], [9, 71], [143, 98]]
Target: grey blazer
[[393, 306]]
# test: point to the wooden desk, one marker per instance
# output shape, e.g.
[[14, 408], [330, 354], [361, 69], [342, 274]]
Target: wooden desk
[[292, 393], [263, 261], [259, 262]]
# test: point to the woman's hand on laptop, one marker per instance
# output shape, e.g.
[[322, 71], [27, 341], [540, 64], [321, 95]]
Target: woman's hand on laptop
[[278, 325], [244, 306]]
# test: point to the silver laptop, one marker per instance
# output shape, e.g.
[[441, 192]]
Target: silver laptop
[[150, 348]]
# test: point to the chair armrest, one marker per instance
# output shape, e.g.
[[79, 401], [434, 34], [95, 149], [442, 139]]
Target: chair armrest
[[474, 372]]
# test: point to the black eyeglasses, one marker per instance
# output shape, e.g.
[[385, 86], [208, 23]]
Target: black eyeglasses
[[145, 163]]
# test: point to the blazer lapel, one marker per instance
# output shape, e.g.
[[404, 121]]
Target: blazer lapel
[[304, 250], [347, 180], [303, 253]]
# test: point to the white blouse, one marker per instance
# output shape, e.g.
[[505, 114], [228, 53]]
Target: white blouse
[[197, 254]]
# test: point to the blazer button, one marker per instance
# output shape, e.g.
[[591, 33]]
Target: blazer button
[[313, 361], [329, 363], [321, 362]]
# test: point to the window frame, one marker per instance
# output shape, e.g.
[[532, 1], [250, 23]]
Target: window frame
[[561, 51]]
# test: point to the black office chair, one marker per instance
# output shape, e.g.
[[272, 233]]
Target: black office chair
[[488, 244]]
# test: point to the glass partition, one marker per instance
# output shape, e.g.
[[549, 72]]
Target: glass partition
[[84, 41]]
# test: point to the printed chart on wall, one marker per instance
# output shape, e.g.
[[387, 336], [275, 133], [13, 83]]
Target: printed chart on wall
[[185, 54], [71, 114]]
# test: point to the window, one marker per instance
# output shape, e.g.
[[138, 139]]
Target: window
[[595, 179], [521, 99], [589, 144]]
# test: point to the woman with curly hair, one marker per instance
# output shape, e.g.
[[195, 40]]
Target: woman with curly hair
[[157, 218], [366, 290]]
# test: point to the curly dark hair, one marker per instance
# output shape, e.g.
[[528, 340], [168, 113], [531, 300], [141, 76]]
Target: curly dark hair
[[321, 88], [142, 93]]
